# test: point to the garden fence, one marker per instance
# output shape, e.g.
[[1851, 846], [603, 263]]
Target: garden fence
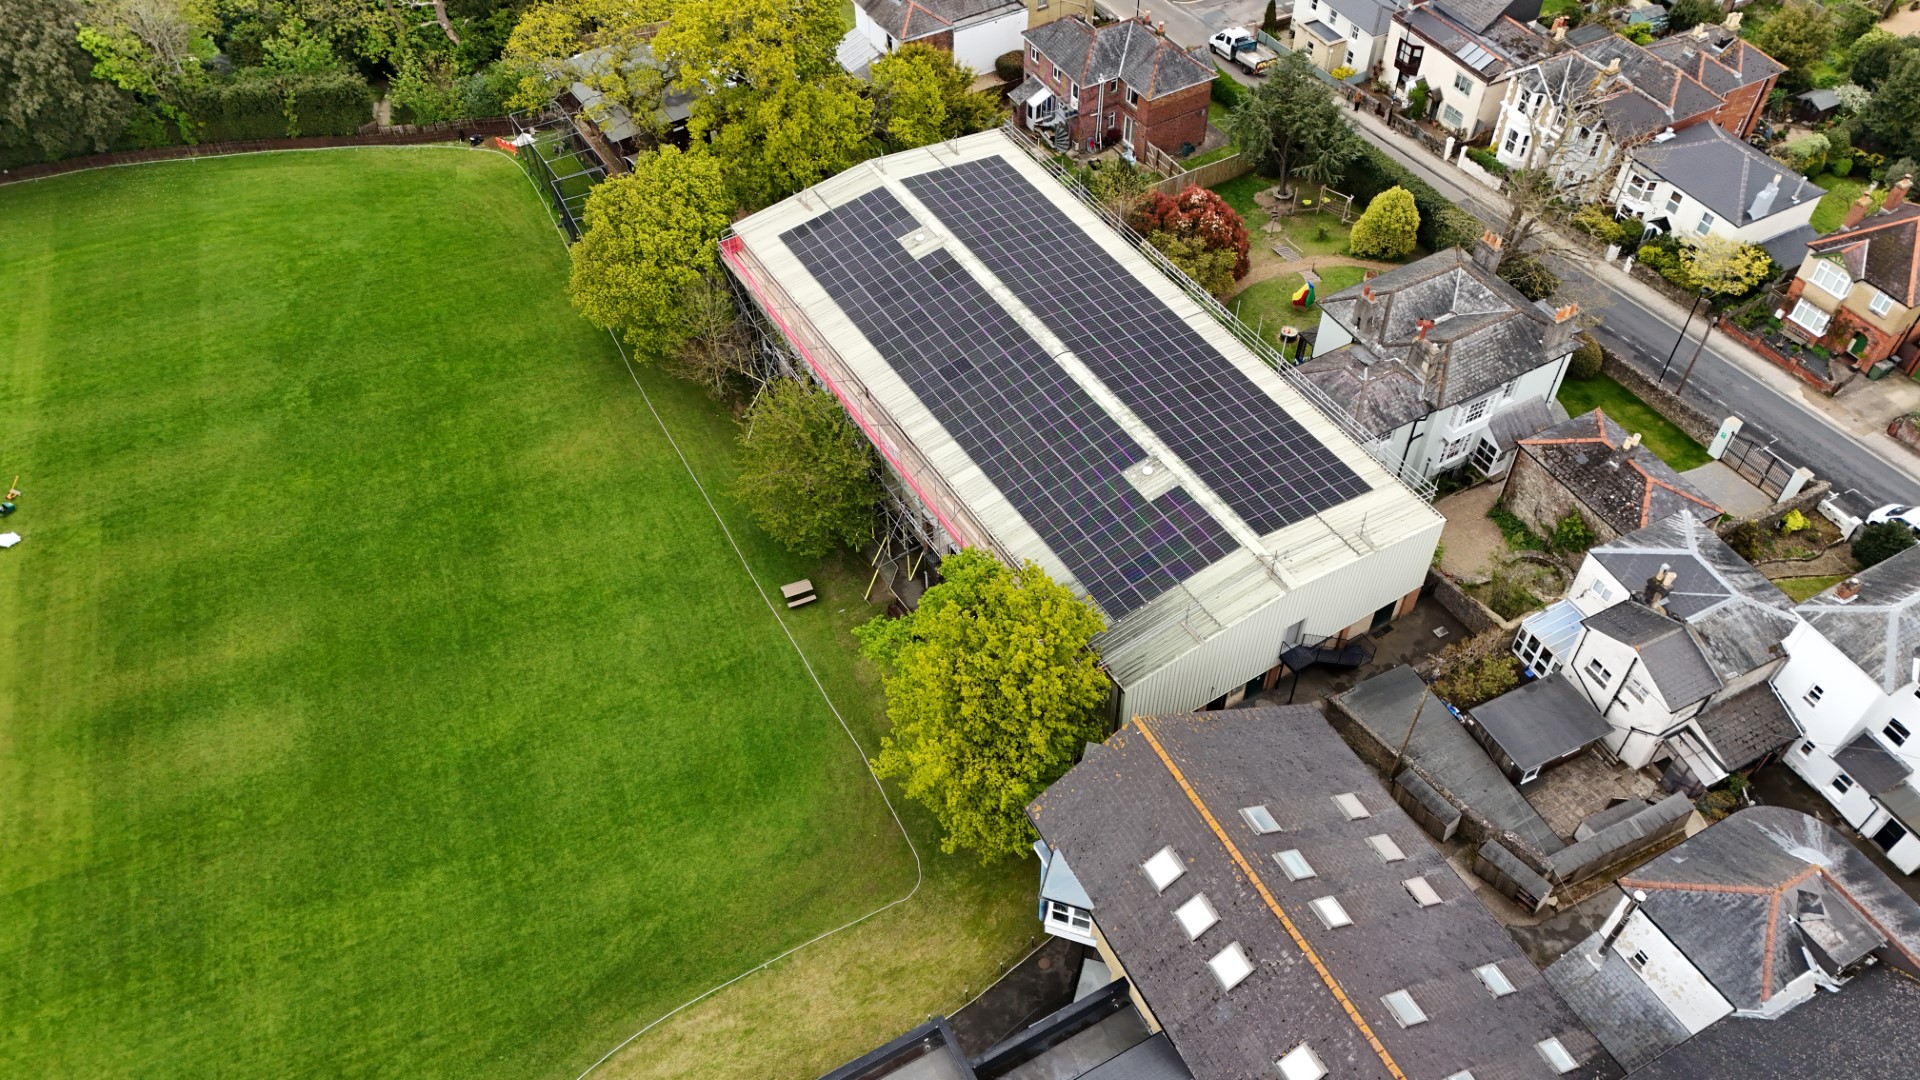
[[1757, 463]]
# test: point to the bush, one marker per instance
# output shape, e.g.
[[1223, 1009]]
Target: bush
[[1747, 541], [1528, 273], [1417, 100], [1514, 531], [1806, 154], [1477, 671], [1225, 90], [1587, 359], [1010, 66], [1794, 522], [1571, 535], [1850, 21], [256, 105], [1878, 543], [1487, 160], [1389, 228], [1198, 214], [1442, 224], [1510, 598]]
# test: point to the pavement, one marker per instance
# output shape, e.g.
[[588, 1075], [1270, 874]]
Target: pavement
[[1471, 545]]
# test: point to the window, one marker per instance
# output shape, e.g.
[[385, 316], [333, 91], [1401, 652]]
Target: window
[[1231, 966], [1806, 748], [1485, 453], [1351, 806], [1842, 783], [1476, 410], [1163, 869], [1295, 865], [1638, 187], [1384, 847], [1812, 696], [1404, 1009], [1331, 913], [1353, 59], [1638, 691], [1638, 960], [1812, 318], [1033, 53], [1600, 590], [1896, 733], [1706, 224], [1196, 915], [1451, 116], [1881, 303], [1513, 140], [1133, 96], [1313, 5], [1673, 201], [1556, 1055], [1113, 120], [1421, 891], [1455, 447], [1113, 86], [1300, 1063], [1259, 819], [1461, 84], [1828, 275], [1071, 917], [1598, 672], [1073, 91], [1494, 980]]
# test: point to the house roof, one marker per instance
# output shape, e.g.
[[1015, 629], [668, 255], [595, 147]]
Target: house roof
[[1736, 612], [1789, 249], [909, 20], [1883, 250], [613, 119], [1057, 881], [1530, 417], [1480, 15], [1324, 32], [1747, 726], [1718, 58], [1879, 630], [1483, 333], [1748, 897], [1381, 395], [1675, 662], [1866, 1029], [1628, 489], [1309, 983], [1490, 49], [1902, 802], [1446, 752], [1130, 51], [1732, 178], [1645, 95], [1371, 16], [1615, 1003], [1871, 765], [1541, 721]]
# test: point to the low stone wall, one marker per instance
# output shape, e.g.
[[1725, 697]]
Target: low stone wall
[[1684, 415], [1807, 502], [1905, 431], [1477, 617]]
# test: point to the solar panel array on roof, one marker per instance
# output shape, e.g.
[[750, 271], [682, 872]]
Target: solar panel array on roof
[[1050, 449], [1238, 440], [1475, 57]]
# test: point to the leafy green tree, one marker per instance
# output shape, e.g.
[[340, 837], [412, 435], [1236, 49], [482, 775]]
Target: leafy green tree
[[1684, 15], [48, 99], [1210, 267], [992, 689], [1798, 35], [649, 237], [1871, 57], [153, 49], [1850, 21], [806, 472], [792, 135], [1878, 543], [1289, 119], [1894, 114], [921, 96], [297, 50], [1390, 227], [550, 33], [717, 353], [1724, 266], [727, 51]]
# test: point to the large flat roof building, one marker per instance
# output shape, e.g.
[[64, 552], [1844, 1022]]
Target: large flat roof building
[[1040, 388]]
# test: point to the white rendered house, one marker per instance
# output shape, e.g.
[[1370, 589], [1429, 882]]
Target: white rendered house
[[1465, 53], [976, 32], [1705, 182], [1344, 33]]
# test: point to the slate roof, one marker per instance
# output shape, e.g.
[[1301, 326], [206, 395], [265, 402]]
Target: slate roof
[[1530, 417], [1747, 726], [1865, 1030], [1484, 333], [1129, 51], [1324, 32], [1883, 250], [1111, 814], [1616, 1004], [1748, 898], [1880, 628], [1902, 802], [909, 20], [1541, 721], [1381, 395], [1372, 16], [1482, 14], [1726, 174], [1646, 95], [1718, 58], [1735, 611], [1642, 489], [1445, 751], [1507, 43], [1675, 662], [1789, 249], [1871, 765]]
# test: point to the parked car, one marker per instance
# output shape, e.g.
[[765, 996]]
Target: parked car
[[1905, 515], [1238, 45]]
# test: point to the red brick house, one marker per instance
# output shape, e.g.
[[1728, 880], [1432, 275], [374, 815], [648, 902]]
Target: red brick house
[[1088, 87], [1858, 291], [1720, 60]]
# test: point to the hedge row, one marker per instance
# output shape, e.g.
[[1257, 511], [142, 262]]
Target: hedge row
[[1442, 224], [258, 106]]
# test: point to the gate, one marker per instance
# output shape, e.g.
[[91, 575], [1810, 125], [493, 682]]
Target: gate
[[1757, 464]]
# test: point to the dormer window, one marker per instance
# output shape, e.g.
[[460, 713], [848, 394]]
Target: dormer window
[[1829, 275], [1880, 304]]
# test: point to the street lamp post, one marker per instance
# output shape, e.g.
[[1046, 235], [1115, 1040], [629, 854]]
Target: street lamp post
[[1671, 353]]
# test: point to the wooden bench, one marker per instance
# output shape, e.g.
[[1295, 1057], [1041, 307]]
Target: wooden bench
[[798, 592]]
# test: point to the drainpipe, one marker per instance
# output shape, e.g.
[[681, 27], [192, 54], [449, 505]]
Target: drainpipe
[[1408, 449]]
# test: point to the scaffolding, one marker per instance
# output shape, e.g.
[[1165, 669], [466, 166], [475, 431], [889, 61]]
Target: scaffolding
[[562, 163]]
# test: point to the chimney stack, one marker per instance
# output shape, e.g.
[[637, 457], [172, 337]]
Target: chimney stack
[[1858, 211], [1763, 200], [1898, 194], [1486, 253], [1560, 335], [1367, 315], [1424, 325], [1560, 29], [1847, 590], [1659, 587]]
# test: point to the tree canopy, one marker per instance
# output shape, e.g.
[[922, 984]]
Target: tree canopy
[[921, 96], [806, 472], [1726, 267], [1289, 124], [1798, 35], [1197, 214], [992, 689], [48, 97], [1894, 113], [1390, 227]]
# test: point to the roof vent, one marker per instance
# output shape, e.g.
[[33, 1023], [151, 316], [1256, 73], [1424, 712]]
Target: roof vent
[[1663, 136]]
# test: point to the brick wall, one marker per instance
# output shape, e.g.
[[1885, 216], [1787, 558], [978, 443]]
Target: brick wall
[[1538, 499], [1170, 121], [1741, 113], [1840, 331]]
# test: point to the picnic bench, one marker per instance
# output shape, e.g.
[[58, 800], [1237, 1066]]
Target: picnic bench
[[798, 592]]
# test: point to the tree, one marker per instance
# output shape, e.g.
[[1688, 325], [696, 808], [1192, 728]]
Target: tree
[[1270, 22], [649, 237], [730, 53], [1115, 184], [1878, 543], [1850, 21], [1530, 274], [806, 472], [1197, 214], [1870, 58], [717, 353], [1587, 359], [550, 33], [1894, 114], [921, 96], [153, 49], [48, 98], [1289, 118], [992, 689], [1389, 228], [1798, 36], [792, 135], [1684, 15], [1211, 268], [1724, 266]]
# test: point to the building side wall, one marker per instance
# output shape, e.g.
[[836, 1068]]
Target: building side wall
[[1538, 499], [1042, 12], [1669, 974], [1740, 113], [978, 45], [1172, 121]]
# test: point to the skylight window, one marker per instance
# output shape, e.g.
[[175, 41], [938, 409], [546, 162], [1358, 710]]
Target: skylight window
[[1295, 864], [1301, 1063], [1350, 805], [1421, 892], [1463, 1074], [1384, 847], [1496, 980], [1231, 966], [1331, 913], [1164, 868], [1259, 819], [1404, 1009], [1556, 1055], [1196, 915]]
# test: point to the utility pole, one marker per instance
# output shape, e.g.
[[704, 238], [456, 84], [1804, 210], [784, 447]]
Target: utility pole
[[1400, 755], [1687, 374], [1675, 351]]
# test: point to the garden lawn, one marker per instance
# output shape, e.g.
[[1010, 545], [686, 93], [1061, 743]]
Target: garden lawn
[[1268, 305], [1239, 192], [1832, 208], [1659, 434], [1802, 589], [378, 696]]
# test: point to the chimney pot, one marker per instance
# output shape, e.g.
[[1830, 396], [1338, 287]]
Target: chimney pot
[[1424, 325], [1898, 193], [1160, 29]]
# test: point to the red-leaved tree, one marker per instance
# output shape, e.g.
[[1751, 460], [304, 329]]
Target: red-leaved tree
[[1195, 214]]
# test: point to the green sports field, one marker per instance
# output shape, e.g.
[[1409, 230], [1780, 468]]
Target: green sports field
[[378, 696]]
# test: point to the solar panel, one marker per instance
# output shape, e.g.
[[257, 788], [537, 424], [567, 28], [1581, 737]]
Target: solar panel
[[1047, 446], [1238, 440]]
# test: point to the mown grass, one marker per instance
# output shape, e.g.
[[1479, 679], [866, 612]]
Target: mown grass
[[378, 695], [1800, 589], [1659, 434], [1832, 209]]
